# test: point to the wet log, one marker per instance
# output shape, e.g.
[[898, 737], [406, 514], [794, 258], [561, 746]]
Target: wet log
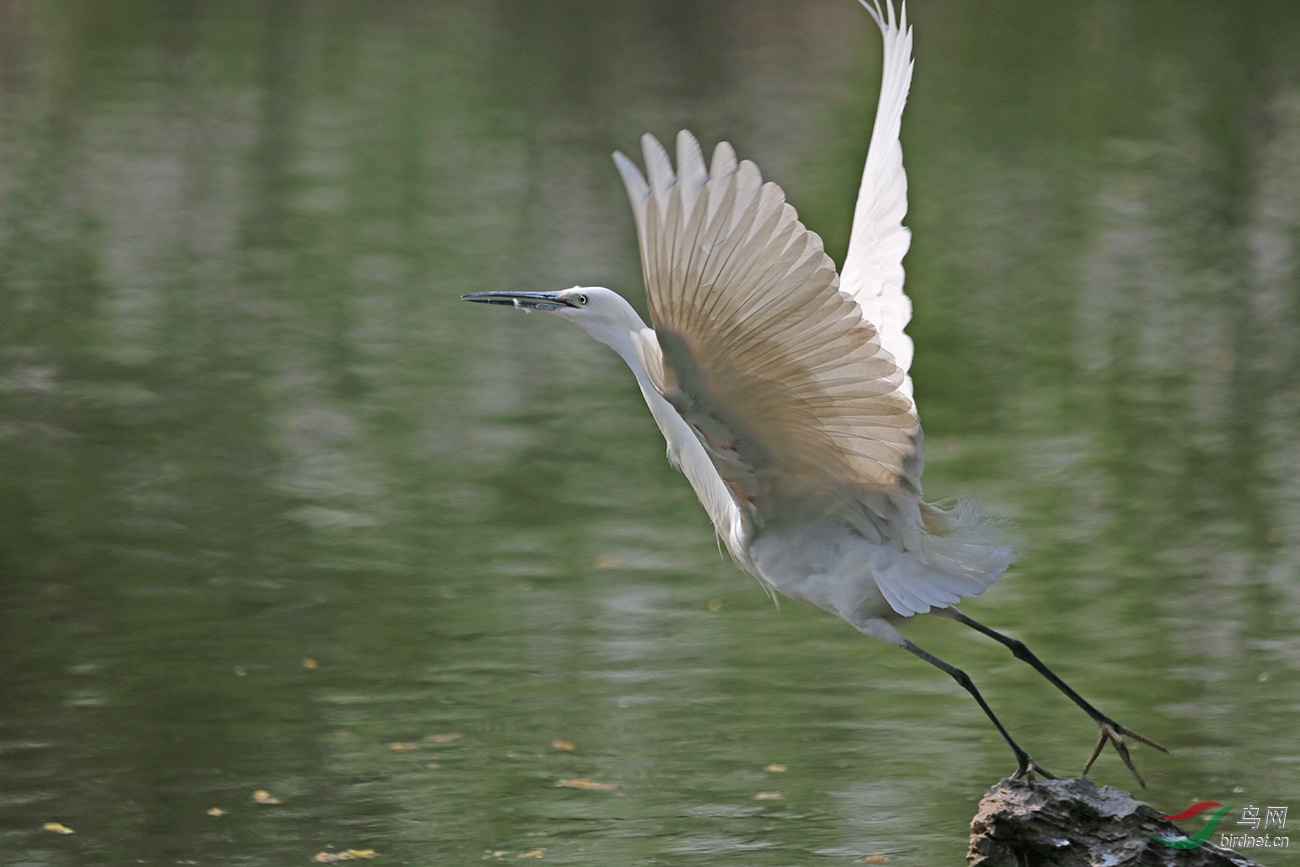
[[1072, 823]]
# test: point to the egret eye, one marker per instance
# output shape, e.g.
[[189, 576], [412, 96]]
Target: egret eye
[[581, 299]]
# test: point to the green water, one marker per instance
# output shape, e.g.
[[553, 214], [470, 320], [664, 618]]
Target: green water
[[273, 501]]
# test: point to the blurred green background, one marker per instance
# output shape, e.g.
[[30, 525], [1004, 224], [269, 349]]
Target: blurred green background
[[279, 513]]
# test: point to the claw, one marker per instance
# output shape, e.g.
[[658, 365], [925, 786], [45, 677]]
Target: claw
[[1129, 733], [1114, 733], [1028, 767], [1096, 751]]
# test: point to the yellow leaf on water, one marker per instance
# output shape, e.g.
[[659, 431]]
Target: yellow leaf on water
[[310, 664], [567, 746], [582, 783], [531, 853], [403, 746], [874, 859], [443, 738], [216, 811], [607, 562], [262, 796], [767, 796], [58, 828], [775, 769], [349, 855], [715, 605]]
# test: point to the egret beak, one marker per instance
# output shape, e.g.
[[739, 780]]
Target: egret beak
[[526, 300]]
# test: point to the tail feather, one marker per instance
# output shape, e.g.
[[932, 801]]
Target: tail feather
[[959, 556], [962, 539]]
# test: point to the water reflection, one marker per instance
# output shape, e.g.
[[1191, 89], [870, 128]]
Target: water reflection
[[244, 425]]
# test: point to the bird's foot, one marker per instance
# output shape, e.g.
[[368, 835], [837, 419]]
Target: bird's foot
[[1028, 767], [1114, 733]]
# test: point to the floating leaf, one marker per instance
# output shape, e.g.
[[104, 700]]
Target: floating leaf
[[767, 796], [58, 828], [262, 796], [605, 561], [399, 747], [216, 811], [874, 859], [567, 746], [775, 769], [581, 783], [531, 853], [715, 605], [310, 664], [443, 738], [349, 855]]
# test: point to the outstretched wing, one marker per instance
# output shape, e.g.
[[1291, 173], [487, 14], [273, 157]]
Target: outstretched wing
[[873, 268], [776, 371]]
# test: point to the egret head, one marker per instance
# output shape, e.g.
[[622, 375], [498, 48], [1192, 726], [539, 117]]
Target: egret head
[[600, 312]]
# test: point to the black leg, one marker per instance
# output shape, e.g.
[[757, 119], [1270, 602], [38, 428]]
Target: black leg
[[1026, 765], [1110, 730]]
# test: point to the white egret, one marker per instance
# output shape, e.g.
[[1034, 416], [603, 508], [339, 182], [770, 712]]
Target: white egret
[[782, 388]]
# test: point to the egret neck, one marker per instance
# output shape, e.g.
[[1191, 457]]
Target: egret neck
[[607, 317]]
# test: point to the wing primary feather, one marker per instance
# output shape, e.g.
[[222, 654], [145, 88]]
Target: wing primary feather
[[738, 208], [691, 173], [764, 315], [720, 172], [692, 179], [770, 307], [874, 12], [633, 181], [658, 165], [713, 241], [659, 171], [724, 161], [638, 193], [873, 270], [741, 213], [764, 224]]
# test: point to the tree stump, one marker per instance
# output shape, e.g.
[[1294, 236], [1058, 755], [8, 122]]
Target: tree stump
[[1072, 823]]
